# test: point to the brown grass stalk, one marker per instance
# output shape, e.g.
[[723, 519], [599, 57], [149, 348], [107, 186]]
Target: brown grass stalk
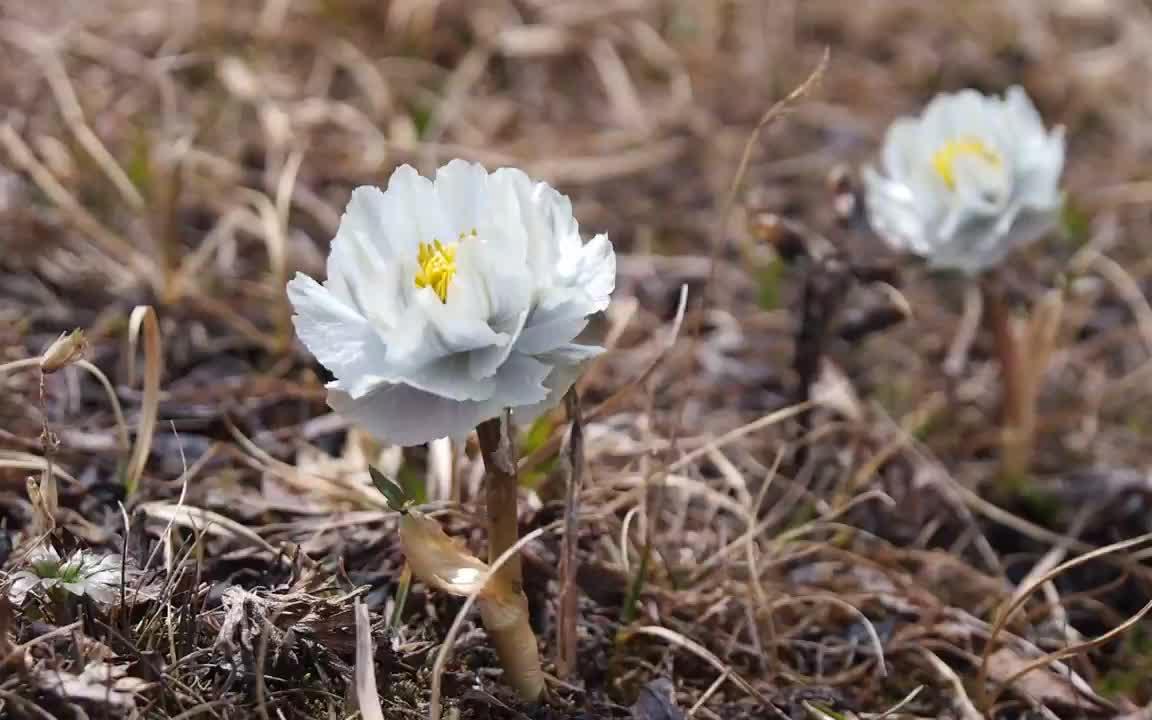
[[566, 637]]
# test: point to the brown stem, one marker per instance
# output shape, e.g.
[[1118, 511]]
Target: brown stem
[[566, 637], [1017, 402], [507, 623], [502, 486]]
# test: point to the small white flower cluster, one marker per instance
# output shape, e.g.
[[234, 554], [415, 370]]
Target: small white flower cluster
[[449, 300], [969, 181], [84, 573]]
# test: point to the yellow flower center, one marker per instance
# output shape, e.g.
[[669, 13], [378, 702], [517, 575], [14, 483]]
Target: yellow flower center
[[438, 265], [944, 160]]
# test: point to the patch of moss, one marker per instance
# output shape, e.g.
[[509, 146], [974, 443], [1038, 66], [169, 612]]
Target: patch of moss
[[1036, 502], [1131, 674]]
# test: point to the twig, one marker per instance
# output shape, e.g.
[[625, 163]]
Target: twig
[[823, 296], [566, 637]]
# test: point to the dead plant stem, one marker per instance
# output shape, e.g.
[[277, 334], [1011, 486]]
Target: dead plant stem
[[566, 635]]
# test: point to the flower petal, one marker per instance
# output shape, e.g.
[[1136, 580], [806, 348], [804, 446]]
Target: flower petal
[[1003, 174], [341, 339], [431, 330], [485, 362], [451, 377], [366, 262], [893, 213], [406, 416], [516, 284], [19, 585], [901, 148], [567, 364], [543, 222], [462, 191], [591, 266], [584, 280], [411, 212], [548, 328]]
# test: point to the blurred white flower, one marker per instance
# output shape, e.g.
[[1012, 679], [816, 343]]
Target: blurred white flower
[[971, 179], [451, 299], [85, 573]]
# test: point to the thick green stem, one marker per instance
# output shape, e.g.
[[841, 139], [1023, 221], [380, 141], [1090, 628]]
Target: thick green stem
[[509, 629]]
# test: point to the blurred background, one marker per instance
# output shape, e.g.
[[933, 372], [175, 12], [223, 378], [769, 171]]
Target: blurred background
[[191, 155]]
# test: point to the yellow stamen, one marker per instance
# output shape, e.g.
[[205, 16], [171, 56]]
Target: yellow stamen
[[945, 158], [437, 266]]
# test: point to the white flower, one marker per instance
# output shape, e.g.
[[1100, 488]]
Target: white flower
[[971, 179], [451, 299], [85, 573]]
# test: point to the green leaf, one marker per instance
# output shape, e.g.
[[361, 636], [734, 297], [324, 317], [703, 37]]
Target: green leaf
[[390, 489], [537, 434], [402, 588], [629, 612], [414, 481], [821, 712], [139, 165], [1076, 222], [769, 279], [421, 118]]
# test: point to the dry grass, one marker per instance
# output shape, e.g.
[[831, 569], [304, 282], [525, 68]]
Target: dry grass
[[783, 510]]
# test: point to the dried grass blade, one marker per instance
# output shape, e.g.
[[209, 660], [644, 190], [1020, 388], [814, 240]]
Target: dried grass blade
[[109, 243], [961, 703], [204, 521], [144, 318], [367, 698], [896, 708], [707, 656], [273, 226], [113, 400], [73, 114], [1022, 594]]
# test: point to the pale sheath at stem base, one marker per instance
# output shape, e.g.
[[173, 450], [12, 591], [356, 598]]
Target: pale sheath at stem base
[[444, 563]]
